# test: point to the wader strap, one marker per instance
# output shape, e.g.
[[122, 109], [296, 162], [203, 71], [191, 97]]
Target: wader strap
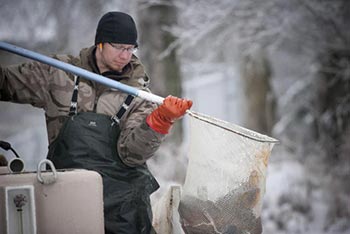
[[116, 118], [74, 102]]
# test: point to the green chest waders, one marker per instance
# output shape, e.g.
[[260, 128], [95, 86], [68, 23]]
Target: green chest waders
[[89, 140]]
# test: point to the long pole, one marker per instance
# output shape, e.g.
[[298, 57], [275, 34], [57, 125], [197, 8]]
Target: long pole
[[103, 80], [81, 72]]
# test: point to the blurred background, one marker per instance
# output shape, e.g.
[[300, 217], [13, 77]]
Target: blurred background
[[281, 68]]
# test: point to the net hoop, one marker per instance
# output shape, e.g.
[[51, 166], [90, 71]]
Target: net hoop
[[244, 132]]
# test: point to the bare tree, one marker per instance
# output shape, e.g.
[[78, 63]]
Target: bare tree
[[155, 21], [259, 102], [313, 99]]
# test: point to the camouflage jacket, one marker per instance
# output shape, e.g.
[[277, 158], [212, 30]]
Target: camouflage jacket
[[47, 87]]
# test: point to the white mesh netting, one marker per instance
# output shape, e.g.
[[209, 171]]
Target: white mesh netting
[[225, 178]]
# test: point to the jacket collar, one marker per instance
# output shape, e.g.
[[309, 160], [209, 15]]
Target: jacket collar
[[131, 74]]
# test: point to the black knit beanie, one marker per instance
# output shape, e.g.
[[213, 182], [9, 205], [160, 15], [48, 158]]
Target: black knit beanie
[[116, 27]]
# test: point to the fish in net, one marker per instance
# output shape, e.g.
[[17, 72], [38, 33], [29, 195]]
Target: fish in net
[[225, 180]]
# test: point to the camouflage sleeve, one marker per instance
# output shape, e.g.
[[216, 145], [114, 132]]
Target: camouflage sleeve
[[25, 83], [137, 141]]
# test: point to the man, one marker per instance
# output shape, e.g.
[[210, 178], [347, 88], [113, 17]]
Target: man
[[95, 127]]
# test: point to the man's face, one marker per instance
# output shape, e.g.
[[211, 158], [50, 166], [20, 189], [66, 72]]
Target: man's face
[[115, 57]]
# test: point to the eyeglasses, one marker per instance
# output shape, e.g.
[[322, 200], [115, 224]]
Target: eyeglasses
[[121, 48]]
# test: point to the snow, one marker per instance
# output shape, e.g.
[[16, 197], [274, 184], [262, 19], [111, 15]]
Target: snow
[[303, 194], [296, 200]]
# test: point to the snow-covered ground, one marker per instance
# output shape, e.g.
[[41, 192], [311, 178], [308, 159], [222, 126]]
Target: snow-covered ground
[[298, 200]]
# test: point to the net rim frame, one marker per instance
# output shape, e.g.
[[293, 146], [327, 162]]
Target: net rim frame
[[206, 118]]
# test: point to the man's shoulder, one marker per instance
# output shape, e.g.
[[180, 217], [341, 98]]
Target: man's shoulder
[[139, 76], [67, 58], [75, 60]]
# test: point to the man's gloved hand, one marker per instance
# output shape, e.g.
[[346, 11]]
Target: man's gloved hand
[[162, 118]]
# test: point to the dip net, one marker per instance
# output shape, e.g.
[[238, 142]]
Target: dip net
[[225, 180]]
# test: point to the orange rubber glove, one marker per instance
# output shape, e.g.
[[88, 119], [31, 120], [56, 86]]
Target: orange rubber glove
[[162, 118]]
